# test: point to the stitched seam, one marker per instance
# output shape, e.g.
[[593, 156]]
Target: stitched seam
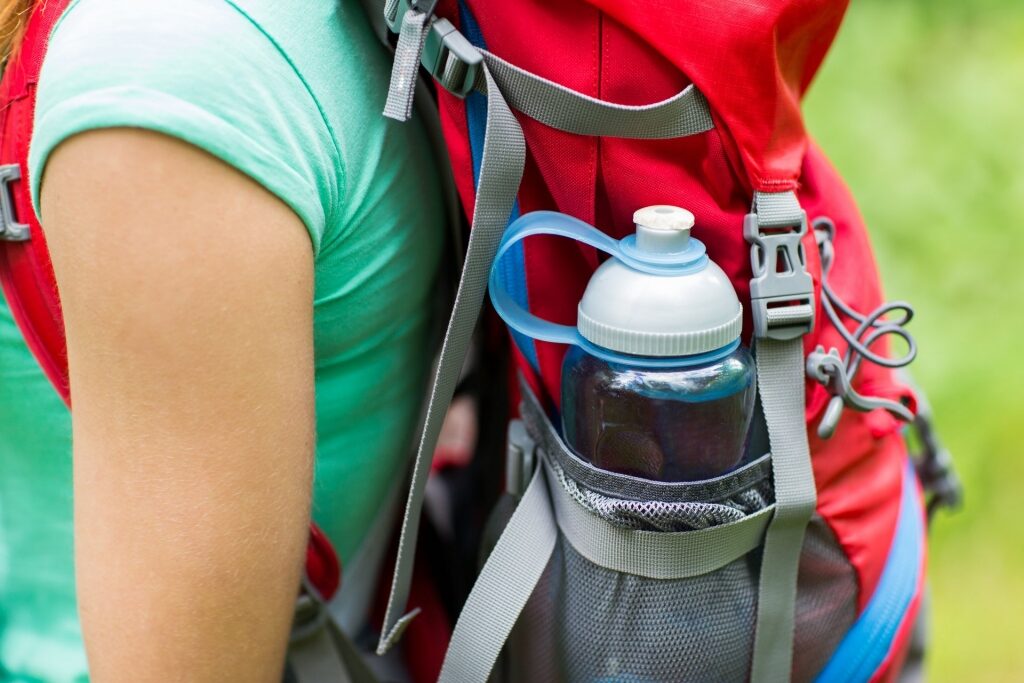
[[319, 107]]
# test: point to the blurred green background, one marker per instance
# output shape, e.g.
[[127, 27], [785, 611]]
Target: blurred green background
[[921, 106]]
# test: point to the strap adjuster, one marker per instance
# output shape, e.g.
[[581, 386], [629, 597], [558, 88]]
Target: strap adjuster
[[10, 229], [451, 59], [781, 291], [521, 459]]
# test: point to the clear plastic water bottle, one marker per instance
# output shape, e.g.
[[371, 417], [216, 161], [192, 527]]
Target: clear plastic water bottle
[[680, 424], [655, 384], [680, 420]]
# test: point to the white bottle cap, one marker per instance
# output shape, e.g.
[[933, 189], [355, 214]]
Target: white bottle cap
[[646, 314], [663, 229]]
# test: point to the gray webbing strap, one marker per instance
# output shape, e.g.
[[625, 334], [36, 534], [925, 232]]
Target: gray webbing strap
[[777, 209], [653, 554], [780, 377], [404, 70], [315, 659], [685, 113], [500, 174], [327, 655], [355, 665], [501, 169], [506, 582]]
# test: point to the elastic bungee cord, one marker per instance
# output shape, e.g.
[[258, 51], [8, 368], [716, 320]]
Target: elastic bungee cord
[[836, 372]]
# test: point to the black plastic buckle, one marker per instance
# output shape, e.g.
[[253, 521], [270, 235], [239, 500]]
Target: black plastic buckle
[[781, 291], [520, 461], [935, 468], [451, 59]]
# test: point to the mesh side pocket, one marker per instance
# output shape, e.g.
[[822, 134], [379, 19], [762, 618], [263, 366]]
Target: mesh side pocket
[[586, 623], [655, 515], [826, 601]]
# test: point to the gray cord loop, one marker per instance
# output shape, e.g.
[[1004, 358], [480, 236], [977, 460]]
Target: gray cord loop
[[836, 371]]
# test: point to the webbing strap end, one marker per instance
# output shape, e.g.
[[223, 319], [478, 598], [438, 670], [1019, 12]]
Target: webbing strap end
[[388, 640]]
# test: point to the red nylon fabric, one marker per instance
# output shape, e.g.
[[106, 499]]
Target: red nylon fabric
[[26, 273], [25, 270], [753, 60]]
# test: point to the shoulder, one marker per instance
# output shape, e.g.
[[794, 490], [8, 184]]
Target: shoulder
[[203, 71]]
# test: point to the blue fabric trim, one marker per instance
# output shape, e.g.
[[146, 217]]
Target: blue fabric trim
[[512, 270], [869, 641]]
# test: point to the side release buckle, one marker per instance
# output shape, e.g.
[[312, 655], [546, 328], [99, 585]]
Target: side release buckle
[[451, 59], [447, 55], [781, 291]]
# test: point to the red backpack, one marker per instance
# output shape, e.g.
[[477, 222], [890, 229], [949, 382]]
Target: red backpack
[[725, 130], [595, 108]]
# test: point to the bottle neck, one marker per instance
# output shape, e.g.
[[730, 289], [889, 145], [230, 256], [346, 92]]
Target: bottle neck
[[657, 361]]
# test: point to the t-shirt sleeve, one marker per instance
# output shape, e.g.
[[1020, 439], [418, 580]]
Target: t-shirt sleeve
[[197, 70]]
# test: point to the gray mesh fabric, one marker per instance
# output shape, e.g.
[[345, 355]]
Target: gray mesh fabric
[[654, 515], [826, 601], [587, 623]]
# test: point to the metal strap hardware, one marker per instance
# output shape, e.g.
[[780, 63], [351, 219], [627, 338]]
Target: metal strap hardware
[[10, 229], [781, 291]]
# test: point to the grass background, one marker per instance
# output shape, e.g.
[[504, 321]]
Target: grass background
[[921, 106]]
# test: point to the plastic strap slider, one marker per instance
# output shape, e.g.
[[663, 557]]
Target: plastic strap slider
[[10, 229], [781, 291], [450, 58]]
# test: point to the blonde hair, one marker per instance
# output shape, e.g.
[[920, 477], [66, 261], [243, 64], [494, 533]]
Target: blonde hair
[[13, 16]]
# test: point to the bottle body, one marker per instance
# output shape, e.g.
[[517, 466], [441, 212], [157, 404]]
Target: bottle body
[[683, 423]]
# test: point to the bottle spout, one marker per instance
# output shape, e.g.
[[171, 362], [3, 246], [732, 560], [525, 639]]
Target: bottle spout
[[662, 229]]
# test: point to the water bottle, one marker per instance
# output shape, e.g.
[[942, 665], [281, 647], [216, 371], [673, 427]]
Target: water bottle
[[655, 383]]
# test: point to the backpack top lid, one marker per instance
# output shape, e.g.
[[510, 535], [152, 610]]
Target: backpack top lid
[[752, 60]]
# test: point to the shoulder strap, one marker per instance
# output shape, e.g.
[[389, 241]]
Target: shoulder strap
[[461, 68], [26, 274], [781, 291], [781, 294]]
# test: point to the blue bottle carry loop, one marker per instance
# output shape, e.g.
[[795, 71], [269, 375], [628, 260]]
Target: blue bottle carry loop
[[694, 258]]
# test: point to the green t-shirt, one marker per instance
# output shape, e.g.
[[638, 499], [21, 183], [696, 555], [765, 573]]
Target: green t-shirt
[[290, 94]]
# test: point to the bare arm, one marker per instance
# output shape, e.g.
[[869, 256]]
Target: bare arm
[[187, 295]]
